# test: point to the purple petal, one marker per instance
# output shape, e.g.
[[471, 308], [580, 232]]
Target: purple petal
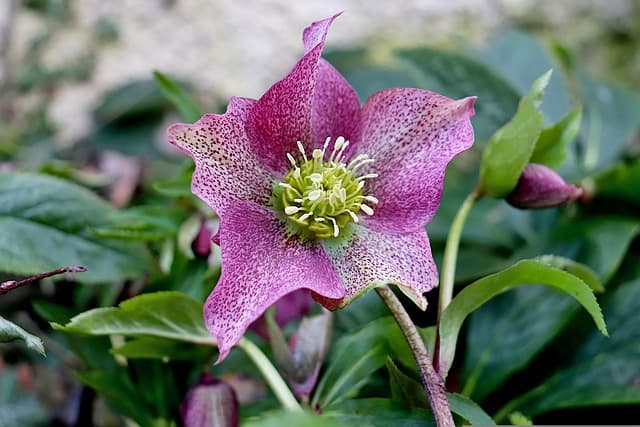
[[336, 107], [541, 187], [412, 135], [261, 263], [371, 258], [282, 116], [226, 171], [210, 403]]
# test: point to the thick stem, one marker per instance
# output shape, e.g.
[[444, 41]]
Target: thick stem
[[432, 381], [271, 375]]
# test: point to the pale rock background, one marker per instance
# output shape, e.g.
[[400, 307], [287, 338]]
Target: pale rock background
[[241, 47]]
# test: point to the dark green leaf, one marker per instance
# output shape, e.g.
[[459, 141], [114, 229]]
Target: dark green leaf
[[298, 419], [379, 412], [143, 223], [522, 273], [404, 389], [469, 410], [170, 315], [9, 331], [161, 348], [175, 93], [510, 148], [45, 222], [552, 145], [621, 182], [605, 371]]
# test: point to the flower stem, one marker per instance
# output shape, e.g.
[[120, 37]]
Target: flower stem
[[271, 375], [432, 381], [451, 253], [449, 265]]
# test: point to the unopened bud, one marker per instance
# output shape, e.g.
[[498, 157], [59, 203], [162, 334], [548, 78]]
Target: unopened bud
[[210, 403], [541, 187]]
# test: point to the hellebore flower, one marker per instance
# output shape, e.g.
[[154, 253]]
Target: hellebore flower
[[541, 187], [314, 191]]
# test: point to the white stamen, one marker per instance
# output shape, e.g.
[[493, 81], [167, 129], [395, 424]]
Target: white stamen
[[367, 176], [336, 229], [360, 185], [298, 200], [291, 159], [344, 147], [318, 154], [339, 141], [353, 216], [290, 210], [315, 177], [301, 148], [319, 219], [296, 173], [366, 209], [371, 199], [305, 216], [343, 195], [357, 165], [314, 195], [326, 144], [287, 186]]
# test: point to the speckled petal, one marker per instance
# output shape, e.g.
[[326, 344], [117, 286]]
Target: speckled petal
[[336, 107], [412, 135], [282, 116], [261, 264], [370, 258], [226, 168]]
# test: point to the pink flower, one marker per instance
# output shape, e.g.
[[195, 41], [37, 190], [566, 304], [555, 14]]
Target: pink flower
[[541, 187], [314, 191]]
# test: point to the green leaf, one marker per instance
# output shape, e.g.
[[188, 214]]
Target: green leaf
[[508, 332], [579, 270], [9, 331], [120, 393], [522, 273], [161, 348], [170, 315], [510, 148], [45, 224], [143, 223], [620, 182], [469, 410], [175, 93], [379, 412], [356, 356], [551, 147], [298, 419], [604, 371]]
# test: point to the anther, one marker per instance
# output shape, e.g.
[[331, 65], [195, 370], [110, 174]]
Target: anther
[[290, 210], [291, 159], [301, 148], [371, 199], [314, 195], [366, 209]]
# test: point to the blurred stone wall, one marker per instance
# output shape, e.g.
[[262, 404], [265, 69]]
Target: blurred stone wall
[[239, 47]]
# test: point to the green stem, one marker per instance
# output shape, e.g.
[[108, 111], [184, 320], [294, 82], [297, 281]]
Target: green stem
[[451, 253], [432, 381], [449, 265], [271, 375]]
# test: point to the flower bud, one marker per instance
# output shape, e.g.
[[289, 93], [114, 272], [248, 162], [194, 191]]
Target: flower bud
[[210, 402], [541, 187]]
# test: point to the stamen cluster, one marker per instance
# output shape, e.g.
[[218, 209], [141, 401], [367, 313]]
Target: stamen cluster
[[320, 196]]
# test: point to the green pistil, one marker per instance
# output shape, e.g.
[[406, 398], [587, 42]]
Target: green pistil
[[320, 197]]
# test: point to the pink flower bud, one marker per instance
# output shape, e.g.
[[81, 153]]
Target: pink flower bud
[[210, 402], [541, 187]]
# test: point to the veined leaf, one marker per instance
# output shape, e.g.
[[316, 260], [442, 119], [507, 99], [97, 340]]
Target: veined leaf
[[523, 273], [170, 315], [45, 223]]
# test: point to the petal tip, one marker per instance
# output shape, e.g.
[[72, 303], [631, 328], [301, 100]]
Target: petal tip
[[316, 33]]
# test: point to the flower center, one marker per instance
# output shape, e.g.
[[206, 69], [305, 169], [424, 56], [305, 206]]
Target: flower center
[[320, 196]]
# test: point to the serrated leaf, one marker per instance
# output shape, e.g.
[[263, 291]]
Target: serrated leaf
[[45, 223], [551, 147], [175, 93], [523, 273], [605, 371], [510, 148], [170, 315], [9, 331]]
